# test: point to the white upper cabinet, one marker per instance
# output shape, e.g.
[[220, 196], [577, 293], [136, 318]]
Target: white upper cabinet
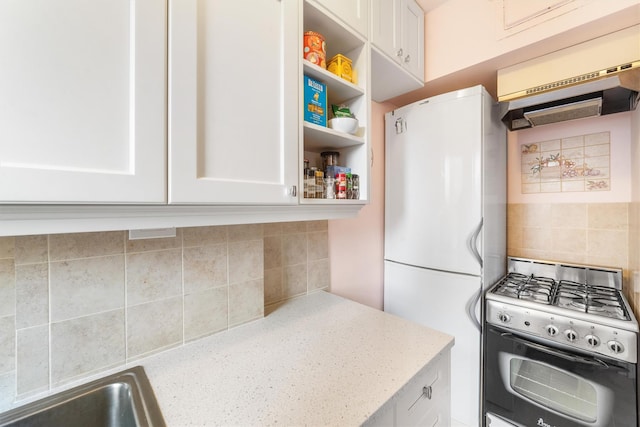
[[233, 97], [397, 54], [82, 101], [353, 12], [412, 40]]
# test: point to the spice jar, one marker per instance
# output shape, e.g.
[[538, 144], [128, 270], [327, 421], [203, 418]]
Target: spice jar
[[329, 158], [355, 187], [319, 184], [329, 188], [310, 183]]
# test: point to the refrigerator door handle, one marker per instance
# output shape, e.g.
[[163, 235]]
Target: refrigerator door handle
[[473, 243], [471, 309]]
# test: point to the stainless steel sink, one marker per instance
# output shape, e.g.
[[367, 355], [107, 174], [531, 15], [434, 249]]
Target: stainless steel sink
[[122, 399]]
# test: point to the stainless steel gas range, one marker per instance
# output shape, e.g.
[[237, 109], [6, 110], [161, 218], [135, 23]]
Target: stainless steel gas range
[[561, 347]]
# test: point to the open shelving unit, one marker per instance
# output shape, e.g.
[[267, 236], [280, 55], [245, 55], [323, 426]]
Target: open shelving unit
[[354, 149]]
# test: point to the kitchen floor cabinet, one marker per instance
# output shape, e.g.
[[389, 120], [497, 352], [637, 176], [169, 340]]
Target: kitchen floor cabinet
[[233, 123], [424, 401], [353, 150], [397, 38], [82, 104]]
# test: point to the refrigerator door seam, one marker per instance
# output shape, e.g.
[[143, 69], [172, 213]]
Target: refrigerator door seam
[[433, 269]]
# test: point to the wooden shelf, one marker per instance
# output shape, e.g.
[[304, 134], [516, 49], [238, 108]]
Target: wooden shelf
[[319, 138], [338, 89]]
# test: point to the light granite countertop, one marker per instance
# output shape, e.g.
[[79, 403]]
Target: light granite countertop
[[314, 360]]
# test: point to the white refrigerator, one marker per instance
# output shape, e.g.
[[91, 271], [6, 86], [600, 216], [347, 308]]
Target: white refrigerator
[[445, 224]]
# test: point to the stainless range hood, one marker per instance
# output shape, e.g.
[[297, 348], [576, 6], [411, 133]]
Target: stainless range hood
[[594, 78]]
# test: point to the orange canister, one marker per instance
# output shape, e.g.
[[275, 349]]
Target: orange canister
[[315, 49]]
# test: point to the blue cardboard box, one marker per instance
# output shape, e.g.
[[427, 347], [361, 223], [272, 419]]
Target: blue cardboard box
[[315, 101]]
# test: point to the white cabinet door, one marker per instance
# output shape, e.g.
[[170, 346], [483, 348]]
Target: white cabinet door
[[385, 21], [354, 13], [82, 101], [233, 117], [413, 38]]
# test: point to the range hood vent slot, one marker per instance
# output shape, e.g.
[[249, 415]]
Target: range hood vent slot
[[575, 110], [597, 77]]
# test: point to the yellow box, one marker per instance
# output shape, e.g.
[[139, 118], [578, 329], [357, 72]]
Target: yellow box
[[340, 65]]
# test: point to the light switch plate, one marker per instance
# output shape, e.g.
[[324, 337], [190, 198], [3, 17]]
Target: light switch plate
[[152, 233]]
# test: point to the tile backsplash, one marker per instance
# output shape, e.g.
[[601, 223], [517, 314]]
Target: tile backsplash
[[582, 233], [73, 305]]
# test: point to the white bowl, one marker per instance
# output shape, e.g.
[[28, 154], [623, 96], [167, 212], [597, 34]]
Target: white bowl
[[344, 124]]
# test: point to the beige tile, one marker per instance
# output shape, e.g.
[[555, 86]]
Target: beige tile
[[245, 232], [569, 215], [7, 287], [533, 254], [536, 215], [272, 252], [514, 214], [514, 237], [32, 295], [608, 248], [319, 275], [322, 225], [7, 344], [246, 301], [200, 236], [153, 275], [294, 249], [31, 249], [317, 245], [272, 229], [205, 267], [603, 242], [205, 313], [294, 227], [7, 247], [272, 285], [246, 261], [597, 138], [569, 240], [609, 216], [537, 238], [86, 345], [165, 331], [158, 244], [86, 286], [294, 280], [33, 360], [84, 245]]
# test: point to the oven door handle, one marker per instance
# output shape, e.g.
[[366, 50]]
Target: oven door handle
[[571, 357]]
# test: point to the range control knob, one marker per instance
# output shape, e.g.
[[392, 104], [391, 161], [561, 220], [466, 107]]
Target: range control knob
[[592, 340], [551, 330], [571, 335], [504, 317], [615, 346]]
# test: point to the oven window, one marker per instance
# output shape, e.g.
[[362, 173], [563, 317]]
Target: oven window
[[554, 389]]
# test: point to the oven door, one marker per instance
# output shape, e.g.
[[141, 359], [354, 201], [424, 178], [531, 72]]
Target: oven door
[[534, 384]]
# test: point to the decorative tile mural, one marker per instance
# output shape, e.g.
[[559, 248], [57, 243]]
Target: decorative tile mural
[[577, 163]]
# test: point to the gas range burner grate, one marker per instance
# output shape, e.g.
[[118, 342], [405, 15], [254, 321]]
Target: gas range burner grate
[[590, 299], [530, 288]]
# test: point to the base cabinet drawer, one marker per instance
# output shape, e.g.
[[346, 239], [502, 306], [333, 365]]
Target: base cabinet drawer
[[424, 401]]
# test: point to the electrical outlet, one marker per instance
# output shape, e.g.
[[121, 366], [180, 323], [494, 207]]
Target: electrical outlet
[[635, 281]]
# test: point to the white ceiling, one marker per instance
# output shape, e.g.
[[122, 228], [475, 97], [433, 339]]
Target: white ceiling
[[428, 5]]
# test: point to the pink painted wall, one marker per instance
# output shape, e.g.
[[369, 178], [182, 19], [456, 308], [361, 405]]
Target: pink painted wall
[[356, 245]]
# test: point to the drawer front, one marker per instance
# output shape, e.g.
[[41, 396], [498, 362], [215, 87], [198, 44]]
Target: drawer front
[[426, 400]]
